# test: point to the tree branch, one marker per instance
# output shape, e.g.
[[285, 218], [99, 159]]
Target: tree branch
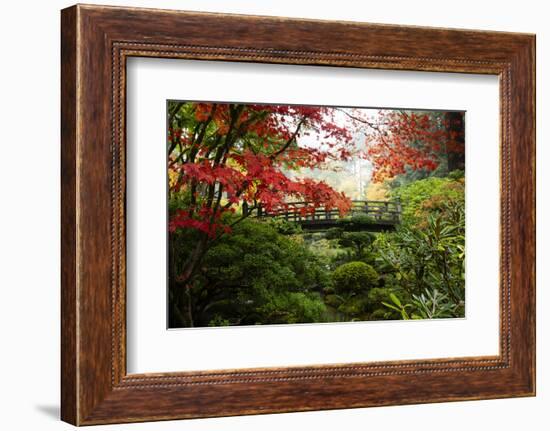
[[175, 110], [361, 120], [290, 140]]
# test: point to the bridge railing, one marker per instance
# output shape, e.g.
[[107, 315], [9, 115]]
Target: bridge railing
[[379, 211]]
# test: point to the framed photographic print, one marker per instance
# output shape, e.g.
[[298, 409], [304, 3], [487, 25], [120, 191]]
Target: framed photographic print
[[287, 215]]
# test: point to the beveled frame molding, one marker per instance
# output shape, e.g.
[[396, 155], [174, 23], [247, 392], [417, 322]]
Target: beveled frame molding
[[96, 41]]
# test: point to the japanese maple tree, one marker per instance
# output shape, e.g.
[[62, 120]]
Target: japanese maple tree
[[227, 160], [399, 140]]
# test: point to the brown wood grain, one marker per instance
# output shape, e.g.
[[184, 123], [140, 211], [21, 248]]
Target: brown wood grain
[[96, 41], [68, 217]]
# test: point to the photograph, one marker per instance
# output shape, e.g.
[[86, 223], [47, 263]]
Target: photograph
[[293, 214]]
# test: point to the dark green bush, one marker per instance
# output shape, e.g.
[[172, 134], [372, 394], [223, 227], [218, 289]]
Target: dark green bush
[[381, 314], [255, 275], [355, 306], [377, 295], [333, 300], [354, 277]]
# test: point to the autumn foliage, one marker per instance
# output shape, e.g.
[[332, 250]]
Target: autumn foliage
[[402, 141], [230, 155], [233, 156]]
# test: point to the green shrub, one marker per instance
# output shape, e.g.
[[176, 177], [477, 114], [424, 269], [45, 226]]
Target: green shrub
[[425, 267], [429, 195], [255, 275], [381, 314], [294, 307], [333, 301], [354, 307], [218, 321], [285, 227], [354, 277], [377, 295], [356, 222]]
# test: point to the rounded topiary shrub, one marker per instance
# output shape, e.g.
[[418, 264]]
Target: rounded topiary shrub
[[354, 277]]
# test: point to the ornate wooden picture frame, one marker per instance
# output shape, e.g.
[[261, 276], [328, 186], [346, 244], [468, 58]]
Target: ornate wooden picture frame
[[96, 41]]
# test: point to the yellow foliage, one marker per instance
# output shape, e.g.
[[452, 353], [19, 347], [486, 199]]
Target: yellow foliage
[[377, 192], [172, 177]]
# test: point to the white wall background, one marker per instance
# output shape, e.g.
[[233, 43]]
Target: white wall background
[[29, 214]]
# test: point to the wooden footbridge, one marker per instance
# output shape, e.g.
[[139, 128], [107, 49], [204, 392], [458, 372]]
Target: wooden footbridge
[[374, 216]]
